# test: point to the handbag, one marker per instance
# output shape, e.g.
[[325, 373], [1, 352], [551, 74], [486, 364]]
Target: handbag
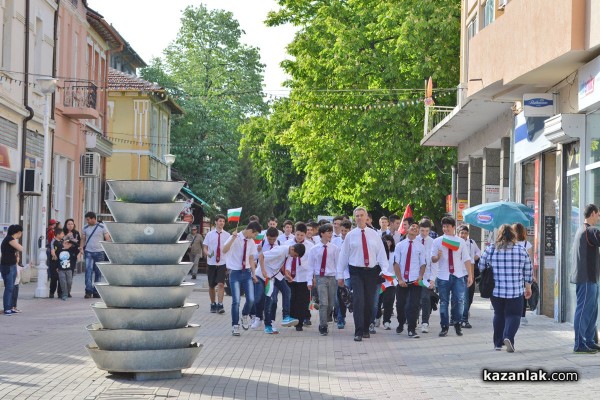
[[487, 283]]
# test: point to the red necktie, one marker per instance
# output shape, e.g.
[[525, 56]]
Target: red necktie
[[244, 255], [324, 260], [407, 265], [218, 247], [451, 261], [293, 272], [365, 248]]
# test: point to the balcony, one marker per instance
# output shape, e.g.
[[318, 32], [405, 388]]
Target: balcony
[[533, 45], [79, 100]]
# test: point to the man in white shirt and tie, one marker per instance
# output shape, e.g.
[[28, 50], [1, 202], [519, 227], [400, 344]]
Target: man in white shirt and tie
[[429, 276], [361, 254], [215, 260], [409, 266], [239, 250]]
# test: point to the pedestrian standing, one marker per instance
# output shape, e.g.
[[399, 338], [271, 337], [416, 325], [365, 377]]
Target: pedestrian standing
[[8, 264], [258, 310], [389, 285], [512, 276], [93, 233], [345, 227], [216, 266], [196, 243], [299, 276], [430, 274], [521, 233], [361, 254], [585, 273], [475, 254]]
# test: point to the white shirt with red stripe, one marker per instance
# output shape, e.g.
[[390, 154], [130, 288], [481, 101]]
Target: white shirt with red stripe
[[461, 256], [211, 241], [417, 258], [315, 258], [236, 251]]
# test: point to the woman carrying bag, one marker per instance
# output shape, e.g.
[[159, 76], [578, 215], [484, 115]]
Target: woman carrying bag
[[513, 274]]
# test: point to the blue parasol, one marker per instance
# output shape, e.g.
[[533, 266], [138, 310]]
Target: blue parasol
[[491, 215]]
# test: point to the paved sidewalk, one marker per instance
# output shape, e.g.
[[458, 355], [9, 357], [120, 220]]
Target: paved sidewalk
[[42, 356]]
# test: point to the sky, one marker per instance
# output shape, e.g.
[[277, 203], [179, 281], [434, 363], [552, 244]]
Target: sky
[[151, 25]]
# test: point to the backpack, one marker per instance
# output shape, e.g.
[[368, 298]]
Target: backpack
[[487, 283]]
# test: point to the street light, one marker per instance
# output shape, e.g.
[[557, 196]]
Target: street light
[[47, 85], [169, 160]]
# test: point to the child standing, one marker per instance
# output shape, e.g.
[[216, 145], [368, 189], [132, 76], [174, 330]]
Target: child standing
[[67, 259], [54, 262]]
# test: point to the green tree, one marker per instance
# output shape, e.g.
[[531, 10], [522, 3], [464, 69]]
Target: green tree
[[353, 137], [217, 80]]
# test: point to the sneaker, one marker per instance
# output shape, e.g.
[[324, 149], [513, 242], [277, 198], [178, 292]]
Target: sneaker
[[213, 308], [15, 311], [64, 298], [509, 346], [358, 338], [372, 329], [424, 327], [96, 296], [245, 322], [399, 329], [498, 348], [341, 324], [458, 329], [387, 326], [592, 346], [585, 350], [193, 276], [8, 313], [288, 321], [366, 335], [378, 322], [444, 331], [524, 321], [299, 329], [466, 325], [270, 331], [323, 330], [87, 296], [236, 330], [69, 295], [256, 323], [275, 330], [220, 308], [413, 335], [307, 322], [50, 296]]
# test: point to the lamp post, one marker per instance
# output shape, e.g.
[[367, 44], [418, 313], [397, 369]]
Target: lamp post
[[169, 160], [47, 85]]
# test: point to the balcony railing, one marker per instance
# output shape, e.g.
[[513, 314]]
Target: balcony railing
[[79, 100], [435, 115]]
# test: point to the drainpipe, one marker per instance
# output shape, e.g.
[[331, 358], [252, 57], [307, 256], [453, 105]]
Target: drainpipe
[[28, 108], [52, 106]]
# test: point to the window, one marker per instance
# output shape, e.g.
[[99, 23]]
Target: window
[[7, 18], [164, 139], [39, 41], [6, 191], [62, 188], [488, 12], [154, 132], [91, 200]]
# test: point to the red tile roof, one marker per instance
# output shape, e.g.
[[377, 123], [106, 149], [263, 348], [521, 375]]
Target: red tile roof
[[118, 80]]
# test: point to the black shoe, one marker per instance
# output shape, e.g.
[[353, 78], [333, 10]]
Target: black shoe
[[585, 350], [220, 308], [372, 329], [366, 335], [399, 329], [299, 328], [444, 331], [466, 325], [458, 330], [87, 296], [69, 295], [96, 296], [213, 308], [193, 276], [413, 335], [358, 338], [593, 346], [307, 322], [51, 296], [323, 330]]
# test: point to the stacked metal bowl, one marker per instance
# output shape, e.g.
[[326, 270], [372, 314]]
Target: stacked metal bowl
[[143, 326]]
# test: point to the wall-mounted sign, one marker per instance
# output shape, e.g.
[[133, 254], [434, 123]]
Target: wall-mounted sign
[[588, 94], [529, 137], [538, 104]]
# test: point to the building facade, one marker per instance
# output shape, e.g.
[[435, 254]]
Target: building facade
[[526, 124]]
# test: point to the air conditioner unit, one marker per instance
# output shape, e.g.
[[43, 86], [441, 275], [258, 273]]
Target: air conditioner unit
[[502, 4], [90, 165], [32, 182]]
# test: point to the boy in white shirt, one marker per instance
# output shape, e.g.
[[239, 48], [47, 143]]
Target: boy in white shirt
[[288, 228], [475, 253], [429, 276], [299, 276], [345, 227], [215, 259]]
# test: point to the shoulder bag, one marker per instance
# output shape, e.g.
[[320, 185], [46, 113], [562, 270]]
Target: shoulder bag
[[487, 283]]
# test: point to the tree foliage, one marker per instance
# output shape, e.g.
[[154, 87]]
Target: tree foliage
[[341, 156]]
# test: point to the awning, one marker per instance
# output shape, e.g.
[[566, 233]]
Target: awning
[[194, 196]]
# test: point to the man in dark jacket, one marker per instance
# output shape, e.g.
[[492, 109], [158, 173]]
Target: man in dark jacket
[[586, 270]]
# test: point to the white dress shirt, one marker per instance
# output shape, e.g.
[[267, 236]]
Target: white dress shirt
[[273, 261], [417, 258], [283, 239], [352, 250], [461, 256], [303, 269], [338, 241], [431, 268], [315, 257], [236, 252], [473, 249], [211, 242]]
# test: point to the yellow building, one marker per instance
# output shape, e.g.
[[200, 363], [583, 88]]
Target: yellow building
[[139, 119]]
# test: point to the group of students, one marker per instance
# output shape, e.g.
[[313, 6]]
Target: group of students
[[340, 267]]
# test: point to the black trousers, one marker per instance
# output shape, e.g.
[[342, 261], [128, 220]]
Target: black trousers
[[407, 305], [299, 301], [364, 283], [54, 283], [389, 295]]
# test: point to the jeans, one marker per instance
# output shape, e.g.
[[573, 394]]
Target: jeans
[[507, 318], [283, 287], [91, 258], [456, 286], [9, 274], [341, 315], [327, 289], [237, 278], [364, 285], [259, 299], [464, 316], [586, 314], [65, 277]]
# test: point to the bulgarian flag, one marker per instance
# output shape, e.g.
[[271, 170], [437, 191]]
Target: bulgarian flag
[[233, 214], [259, 238], [450, 244], [407, 214], [388, 281], [269, 287]]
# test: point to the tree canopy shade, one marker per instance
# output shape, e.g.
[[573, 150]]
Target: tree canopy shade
[[354, 53]]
